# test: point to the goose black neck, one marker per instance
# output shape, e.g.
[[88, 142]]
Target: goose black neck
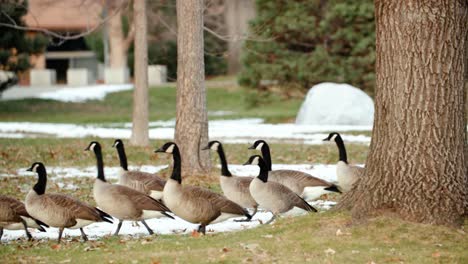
[[266, 156], [100, 164], [40, 186], [224, 167], [263, 175], [341, 149], [176, 171], [122, 156]]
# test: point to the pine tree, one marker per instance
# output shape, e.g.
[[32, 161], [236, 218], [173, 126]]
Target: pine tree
[[300, 43]]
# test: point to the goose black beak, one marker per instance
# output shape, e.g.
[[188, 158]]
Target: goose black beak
[[159, 150], [206, 148], [247, 163], [326, 139], [251, 147], [30, 169], [87, 148]]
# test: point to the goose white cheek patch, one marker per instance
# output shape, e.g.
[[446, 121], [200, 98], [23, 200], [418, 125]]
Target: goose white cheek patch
[[170, 149], [259, 147], [215, 146]]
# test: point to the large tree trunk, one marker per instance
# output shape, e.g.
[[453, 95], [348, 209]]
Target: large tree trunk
[[140, 136], [238, 13], [416, 168], [191, 131]]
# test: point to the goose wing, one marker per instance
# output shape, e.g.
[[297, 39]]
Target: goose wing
[[145, 181], [217, 201], [140, 200], [288, 195], [72, 207]]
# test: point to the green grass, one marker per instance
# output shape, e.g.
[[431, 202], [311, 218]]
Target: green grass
[[117, 107], [312, 238], [307, 239]]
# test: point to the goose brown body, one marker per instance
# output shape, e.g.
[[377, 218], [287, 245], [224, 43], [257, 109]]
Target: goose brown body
[[144, 182], [301, 183], [195, 204]]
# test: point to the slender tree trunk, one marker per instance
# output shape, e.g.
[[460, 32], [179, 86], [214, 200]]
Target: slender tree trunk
[[191, 131], [118, 43], [140, 134], [238, 13], [416, 168]]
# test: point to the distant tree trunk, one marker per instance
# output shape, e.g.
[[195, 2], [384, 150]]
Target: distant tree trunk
[[118, 43], [416, 168], [238, 13], [140, 134], [191, 131]]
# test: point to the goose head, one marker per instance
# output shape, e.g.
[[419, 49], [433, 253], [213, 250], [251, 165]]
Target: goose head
[[93, 146], [37, 167], [168, 147], [117, 142], [332, 136], [213, 145], [254, 160], [258, 145]]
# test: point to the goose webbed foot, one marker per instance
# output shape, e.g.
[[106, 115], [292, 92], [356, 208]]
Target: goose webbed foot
[[83, 235]]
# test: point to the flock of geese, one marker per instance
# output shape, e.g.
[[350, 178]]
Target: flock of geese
[[139, 196]]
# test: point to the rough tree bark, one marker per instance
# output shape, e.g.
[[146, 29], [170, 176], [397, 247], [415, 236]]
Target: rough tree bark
[[238, 13], [191, 131], [140, 133], [118, 43], [416, 168]]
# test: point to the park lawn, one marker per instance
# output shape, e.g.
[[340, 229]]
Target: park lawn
[[117, 107], [316, 238]]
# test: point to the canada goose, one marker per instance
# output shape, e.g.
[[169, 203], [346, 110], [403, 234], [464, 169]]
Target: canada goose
[[234, 188], [13, 216], [345, 173], [141, 181], [273, 196], [60, 210], [303, 184], [195, 204], [122, 202]]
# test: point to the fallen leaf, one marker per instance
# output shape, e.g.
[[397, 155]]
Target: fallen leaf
[[225, 249], [56, 246], [195, 234]]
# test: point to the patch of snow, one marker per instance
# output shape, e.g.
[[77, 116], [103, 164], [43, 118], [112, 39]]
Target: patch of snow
[[336, 104], [230, 131], [85, 93], [220, 113], [166, 225]]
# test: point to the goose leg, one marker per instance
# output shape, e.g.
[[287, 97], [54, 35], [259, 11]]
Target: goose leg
[[83, 235], [147, 227], [60, 234], [1, 232], [118, 227], [271, 220], [26, 229], [202, 229]]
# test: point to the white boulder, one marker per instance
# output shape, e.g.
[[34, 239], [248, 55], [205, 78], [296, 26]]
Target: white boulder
[[336, 104]]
